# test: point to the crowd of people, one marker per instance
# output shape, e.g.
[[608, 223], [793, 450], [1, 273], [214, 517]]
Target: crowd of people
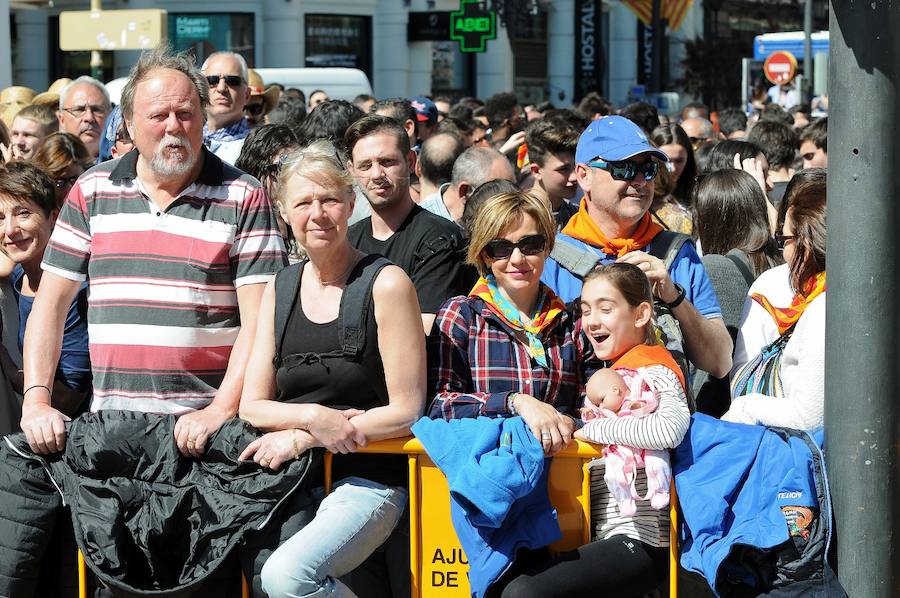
[[330, 272]]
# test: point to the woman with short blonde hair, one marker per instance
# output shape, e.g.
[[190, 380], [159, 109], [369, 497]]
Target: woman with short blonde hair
[[306, 390], [510, 317]]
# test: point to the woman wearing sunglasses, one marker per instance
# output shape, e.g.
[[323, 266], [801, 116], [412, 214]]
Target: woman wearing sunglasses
[[779, 361], [508, 347]]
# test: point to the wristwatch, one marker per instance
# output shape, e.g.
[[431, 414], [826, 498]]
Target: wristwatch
[[681, 294]]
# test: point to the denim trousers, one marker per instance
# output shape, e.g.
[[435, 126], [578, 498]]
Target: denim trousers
[[349, 525]]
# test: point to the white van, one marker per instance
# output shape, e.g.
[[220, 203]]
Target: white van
[[338, 83]]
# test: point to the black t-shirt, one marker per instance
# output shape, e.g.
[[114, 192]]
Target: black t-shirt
[[427, 247], [777, 193]]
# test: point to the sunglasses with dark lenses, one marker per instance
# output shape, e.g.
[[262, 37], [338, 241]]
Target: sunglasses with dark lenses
[[501, 249], [230, 80], [65, 182], [626, 171], [254, 109], [781, 240]]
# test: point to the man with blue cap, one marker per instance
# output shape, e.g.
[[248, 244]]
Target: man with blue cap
[[615, 167]]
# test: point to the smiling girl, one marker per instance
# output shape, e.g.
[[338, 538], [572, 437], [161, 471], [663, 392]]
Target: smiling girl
[[628, 556]]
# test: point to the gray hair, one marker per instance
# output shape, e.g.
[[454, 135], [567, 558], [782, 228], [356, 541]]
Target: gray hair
[[83, 80], [245, 75], [162, 57], [320, 161], [474, 165]]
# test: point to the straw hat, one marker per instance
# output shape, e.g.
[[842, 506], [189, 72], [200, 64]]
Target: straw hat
[[13, 99], [270, 94], [51, 96]]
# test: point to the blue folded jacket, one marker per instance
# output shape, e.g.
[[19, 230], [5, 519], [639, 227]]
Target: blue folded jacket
[[497, 475]]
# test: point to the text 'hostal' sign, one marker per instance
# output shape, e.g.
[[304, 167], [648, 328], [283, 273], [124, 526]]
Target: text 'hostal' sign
[[472, 25], [589, 56]]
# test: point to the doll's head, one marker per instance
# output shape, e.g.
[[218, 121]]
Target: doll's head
[[607, 389]]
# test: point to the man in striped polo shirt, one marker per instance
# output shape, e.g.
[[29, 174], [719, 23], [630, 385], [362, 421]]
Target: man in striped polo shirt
[[177, 247]]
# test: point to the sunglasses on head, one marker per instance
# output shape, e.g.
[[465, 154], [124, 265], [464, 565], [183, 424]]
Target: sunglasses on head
[[626, 170], [501, 249], [230, 80]]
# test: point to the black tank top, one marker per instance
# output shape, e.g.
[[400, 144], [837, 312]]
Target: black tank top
[[314, 370]]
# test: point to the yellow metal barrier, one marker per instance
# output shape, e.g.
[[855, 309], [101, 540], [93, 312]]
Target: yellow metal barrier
[[437, 563]]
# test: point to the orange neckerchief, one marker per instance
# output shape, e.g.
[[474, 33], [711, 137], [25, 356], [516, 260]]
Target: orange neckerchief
[[646, 355], [785, 317], [522, 157], [583, 228]]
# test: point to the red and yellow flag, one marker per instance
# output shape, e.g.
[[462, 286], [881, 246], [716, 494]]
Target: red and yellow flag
[[672, 11]]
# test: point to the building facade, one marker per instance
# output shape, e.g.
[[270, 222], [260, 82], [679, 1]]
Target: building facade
[[558, 51]]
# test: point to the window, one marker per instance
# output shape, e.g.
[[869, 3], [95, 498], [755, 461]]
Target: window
[[339, 40]]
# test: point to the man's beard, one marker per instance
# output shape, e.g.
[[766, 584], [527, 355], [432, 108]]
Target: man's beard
[[163, 166], [399, 187]]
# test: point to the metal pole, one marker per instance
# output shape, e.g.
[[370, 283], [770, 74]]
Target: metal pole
[[806, 92], [658, 36], [862, 413], [96, 56]]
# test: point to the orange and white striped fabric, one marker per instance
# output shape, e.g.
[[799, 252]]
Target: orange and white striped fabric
[[672, 11]]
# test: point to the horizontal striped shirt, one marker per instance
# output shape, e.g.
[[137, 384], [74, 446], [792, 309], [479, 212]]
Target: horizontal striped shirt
[[162, 308], [662, 429]]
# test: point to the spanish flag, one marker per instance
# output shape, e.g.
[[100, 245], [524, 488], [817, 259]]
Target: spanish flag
[[672, 11]]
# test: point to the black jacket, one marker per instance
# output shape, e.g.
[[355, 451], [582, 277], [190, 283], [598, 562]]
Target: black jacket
[[148, 520]]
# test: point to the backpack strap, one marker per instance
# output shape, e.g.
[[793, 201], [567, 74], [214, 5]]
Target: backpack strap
[[355, 306], [666, 246], [576, 260], [287, 290], [741, 266]]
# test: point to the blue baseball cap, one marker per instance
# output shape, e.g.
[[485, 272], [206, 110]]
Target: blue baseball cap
[[426, 111], [614, 138]]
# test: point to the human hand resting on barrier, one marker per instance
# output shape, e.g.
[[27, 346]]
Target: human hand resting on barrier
[[193, 430], [334, 430], [274, 449], [44, 427], [553, 429]]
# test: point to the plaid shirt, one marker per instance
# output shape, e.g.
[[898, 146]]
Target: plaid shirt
[[476, 361]]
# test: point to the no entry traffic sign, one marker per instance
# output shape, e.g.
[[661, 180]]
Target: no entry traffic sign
[[780, 67]]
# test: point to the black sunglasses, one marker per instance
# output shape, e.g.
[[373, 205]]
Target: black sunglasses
[[501, 249], [626, 170], [65, 182], [254, 109], [781, 240], [230, 80]]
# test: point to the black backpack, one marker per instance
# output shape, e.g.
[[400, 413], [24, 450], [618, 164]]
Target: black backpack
[[665, 246], [352, 316]]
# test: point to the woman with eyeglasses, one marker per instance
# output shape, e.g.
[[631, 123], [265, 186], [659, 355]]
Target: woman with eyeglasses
[[508, 347], [308, 385], [731, 224], [779, 361], [28, 211], [63, 157]]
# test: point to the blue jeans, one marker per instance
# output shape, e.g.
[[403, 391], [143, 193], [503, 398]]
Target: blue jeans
[[350, 524]]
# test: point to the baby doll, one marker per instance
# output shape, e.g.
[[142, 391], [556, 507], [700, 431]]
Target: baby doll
[[623, 392]]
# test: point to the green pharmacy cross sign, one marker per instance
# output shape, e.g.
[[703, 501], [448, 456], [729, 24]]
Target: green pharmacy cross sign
[[472, 26]]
